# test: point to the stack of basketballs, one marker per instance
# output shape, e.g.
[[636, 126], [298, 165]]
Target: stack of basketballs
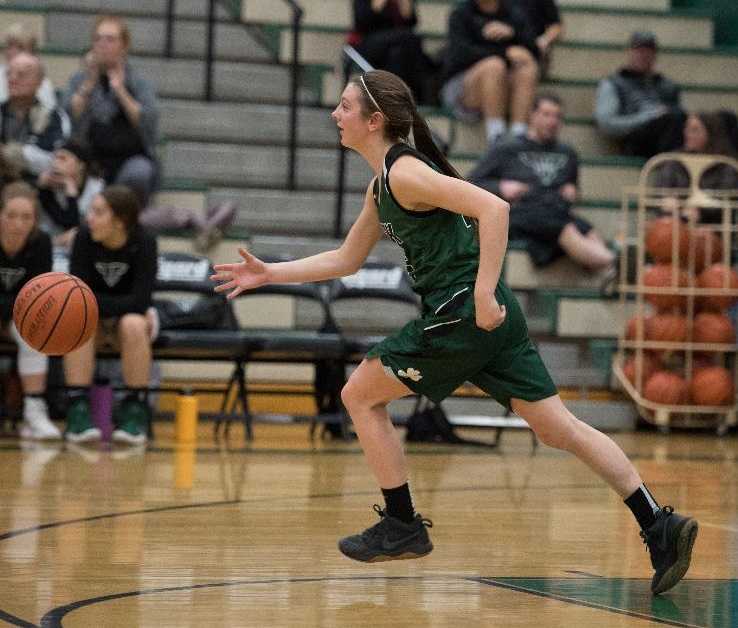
[[683, 258]]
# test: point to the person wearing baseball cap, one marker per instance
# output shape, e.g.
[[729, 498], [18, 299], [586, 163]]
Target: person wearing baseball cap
[[637, 106]]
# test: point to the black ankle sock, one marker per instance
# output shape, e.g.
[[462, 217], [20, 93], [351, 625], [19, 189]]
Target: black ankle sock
[[399, 503], [643, 506]]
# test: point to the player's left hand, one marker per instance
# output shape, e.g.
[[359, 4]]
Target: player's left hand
[[489, 313]]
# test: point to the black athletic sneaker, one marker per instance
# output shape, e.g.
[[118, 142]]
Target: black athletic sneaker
[[390, 539], [670, 540]]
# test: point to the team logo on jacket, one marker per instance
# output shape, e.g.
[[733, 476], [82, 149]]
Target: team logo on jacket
[[111, 271], [547, 166], [410, 373], [10, 277]]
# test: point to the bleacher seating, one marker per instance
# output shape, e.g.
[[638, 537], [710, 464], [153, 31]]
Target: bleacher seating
[[235, 146]]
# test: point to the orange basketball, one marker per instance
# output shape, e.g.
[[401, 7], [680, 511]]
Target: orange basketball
[[660, 240], [663, 276], [666, 328], [55, 313], [708, 248], [667, 388], [631, 327], [712, 386], [711, 327], [649, 365], [718, 277]]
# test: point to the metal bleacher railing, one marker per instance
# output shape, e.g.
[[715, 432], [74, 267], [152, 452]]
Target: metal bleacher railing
[[297, 15]]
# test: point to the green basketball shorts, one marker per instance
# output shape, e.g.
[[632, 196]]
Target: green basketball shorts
[[437, 353]]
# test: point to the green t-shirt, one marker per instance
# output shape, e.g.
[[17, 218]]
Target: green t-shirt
[[441, 247]]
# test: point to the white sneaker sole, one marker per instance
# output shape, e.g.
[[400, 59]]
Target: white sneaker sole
[[87, 436], [121, 436]]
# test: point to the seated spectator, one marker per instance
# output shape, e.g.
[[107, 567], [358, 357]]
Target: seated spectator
[[117, 258], [19, 39], [638, 106], [538, 176], [115, 111], [8, 172], [544, 20], [29, 131], [704, 134], [25, 252], [66, 191], [383, 35], [490, 66]]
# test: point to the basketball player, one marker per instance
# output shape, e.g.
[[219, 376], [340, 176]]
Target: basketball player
[[454, 236], [116, 257], [25, 252]]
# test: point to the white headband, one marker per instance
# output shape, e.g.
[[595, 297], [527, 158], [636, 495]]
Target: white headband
[[374, 102]]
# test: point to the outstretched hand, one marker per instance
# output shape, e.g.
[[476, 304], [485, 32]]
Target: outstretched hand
[[246, 275]]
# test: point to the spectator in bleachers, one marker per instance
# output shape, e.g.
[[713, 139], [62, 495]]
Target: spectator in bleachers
[[639, 107], [117, 258], [25, 252], [383, 35], [29, 131], [8, 172], [115, 110], [704, 134], [538, 176], [19, 39], [491, 66], [544, 20], [66, 190]]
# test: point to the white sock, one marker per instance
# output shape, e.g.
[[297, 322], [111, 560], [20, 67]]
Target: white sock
[[518, 128], [494, 127]]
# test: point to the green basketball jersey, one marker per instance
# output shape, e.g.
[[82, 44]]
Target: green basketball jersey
[[441, 247]]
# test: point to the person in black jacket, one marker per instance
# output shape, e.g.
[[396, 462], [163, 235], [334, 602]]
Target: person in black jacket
[[491, 66], [25, 252], [639, 107], [117, 258], [383, 35]]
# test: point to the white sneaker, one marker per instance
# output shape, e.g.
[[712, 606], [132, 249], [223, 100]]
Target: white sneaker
[[36, 423]]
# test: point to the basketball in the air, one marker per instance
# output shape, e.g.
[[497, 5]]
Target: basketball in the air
[[719, 278], [660, 240], [665, 276], [667, 388], [55, 313], [712, 386]]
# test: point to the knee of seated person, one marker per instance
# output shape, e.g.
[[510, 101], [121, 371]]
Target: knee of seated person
[[494, 65], [521, 57], [133, 326]]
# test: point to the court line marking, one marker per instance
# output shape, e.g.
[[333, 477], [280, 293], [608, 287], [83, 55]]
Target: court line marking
[[53, 618], [15, 621], [577, 602]]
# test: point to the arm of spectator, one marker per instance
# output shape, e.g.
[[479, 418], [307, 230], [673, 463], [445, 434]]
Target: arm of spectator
[[498, 31], [46, 94], [549, 37], [609, 119], [80, 87], [465, 45], [64, 240], [141, 108], [569, 192], [488, 171], [139, 300]]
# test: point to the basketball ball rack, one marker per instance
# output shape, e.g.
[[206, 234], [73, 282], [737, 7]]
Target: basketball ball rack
[[639, 205]]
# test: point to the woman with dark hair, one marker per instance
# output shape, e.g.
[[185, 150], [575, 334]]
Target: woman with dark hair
[[704, 134], [454, 236], [117, 258], [25, 252], [384, 34]]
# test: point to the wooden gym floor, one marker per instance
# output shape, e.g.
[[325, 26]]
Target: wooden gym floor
[[246, 536]]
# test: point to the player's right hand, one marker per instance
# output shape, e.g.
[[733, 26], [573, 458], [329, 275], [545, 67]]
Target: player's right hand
[[246, 275]]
